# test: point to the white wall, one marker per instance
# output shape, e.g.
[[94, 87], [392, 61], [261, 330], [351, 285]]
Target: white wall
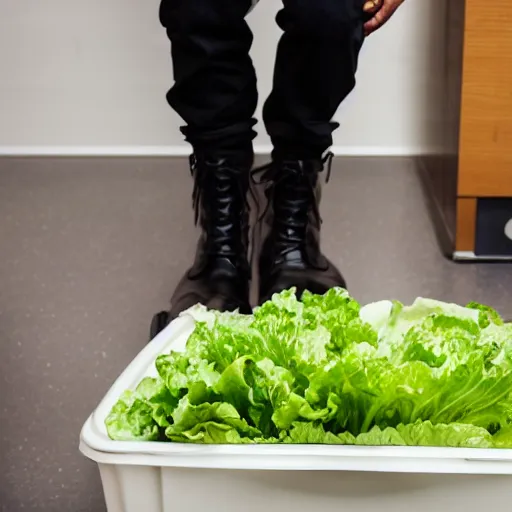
[[92, 76]]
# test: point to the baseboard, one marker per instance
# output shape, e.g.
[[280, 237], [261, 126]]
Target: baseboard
[[181, 150], [471, 256]]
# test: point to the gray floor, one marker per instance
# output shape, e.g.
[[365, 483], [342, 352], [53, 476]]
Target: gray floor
[[90, 249]]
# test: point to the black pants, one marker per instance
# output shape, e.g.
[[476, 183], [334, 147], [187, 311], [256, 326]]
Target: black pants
[[215, 83]]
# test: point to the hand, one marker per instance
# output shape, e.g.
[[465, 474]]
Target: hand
[[381, 11]]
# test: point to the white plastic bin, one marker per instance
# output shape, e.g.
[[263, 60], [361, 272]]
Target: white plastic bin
[[165, 477]]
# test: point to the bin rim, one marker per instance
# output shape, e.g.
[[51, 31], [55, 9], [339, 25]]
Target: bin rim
[[96, 445]]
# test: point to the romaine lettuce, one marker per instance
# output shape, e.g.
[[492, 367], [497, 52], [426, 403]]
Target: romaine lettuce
[[324, 370]]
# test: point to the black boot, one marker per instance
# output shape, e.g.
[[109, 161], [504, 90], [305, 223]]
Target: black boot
[[287, 237], [220, 275]]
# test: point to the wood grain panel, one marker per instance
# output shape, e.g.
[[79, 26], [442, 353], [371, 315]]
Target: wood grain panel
[[486, 116], [466, 224]]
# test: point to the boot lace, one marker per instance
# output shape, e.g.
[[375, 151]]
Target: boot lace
[[292, 195], [220, 192]]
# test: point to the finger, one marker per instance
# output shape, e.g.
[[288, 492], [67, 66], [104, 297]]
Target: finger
[[370, 26], [372, 6], [380, 18]]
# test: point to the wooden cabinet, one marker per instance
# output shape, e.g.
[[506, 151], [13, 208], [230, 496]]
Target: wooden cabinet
[[485, 149], [471, 192]]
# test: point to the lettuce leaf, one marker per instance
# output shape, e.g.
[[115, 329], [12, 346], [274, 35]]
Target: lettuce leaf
[[311, 433], [139, 414], [454, 435], [209, 423]]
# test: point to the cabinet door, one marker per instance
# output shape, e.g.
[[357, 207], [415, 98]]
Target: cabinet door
[[485, 165]]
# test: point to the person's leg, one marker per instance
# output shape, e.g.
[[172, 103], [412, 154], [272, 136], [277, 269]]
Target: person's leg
[[314, 72], [214, 88], [215, 94]]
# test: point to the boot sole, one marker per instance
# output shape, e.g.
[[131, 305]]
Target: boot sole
[[158, 323]]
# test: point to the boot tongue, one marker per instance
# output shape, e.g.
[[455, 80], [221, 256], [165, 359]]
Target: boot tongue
[[294, 201]]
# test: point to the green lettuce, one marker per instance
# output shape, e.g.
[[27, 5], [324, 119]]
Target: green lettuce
[[324, 370], [140, 414]]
